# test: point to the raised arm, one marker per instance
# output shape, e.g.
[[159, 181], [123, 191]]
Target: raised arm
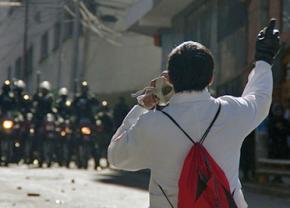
[[253, 106]]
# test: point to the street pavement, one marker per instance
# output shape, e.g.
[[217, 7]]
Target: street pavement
[[24, 187]]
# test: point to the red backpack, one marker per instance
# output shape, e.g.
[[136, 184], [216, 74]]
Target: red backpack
[[202, 183]]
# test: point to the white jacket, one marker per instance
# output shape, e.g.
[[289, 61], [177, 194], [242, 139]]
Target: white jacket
[[149, 140]]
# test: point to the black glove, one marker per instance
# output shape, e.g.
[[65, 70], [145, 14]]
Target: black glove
[[267, 43]]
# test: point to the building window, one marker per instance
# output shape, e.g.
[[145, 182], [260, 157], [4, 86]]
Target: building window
[[18, 67], [286, 15], [44, 46], [57, 31]]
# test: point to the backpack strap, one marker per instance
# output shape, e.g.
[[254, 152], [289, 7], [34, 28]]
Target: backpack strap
[[185, 133], [163, 192], [211, 124]]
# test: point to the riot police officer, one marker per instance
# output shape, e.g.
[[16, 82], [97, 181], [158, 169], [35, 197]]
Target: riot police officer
[[84, 104], [43, 101], [7, 99], [64, 145], [63, 104], [43, 117], [23, 104], [7, 104], [104, 123], [23, 101]]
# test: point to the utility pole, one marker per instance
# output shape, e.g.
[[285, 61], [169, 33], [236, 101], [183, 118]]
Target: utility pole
[[75, 61], [61, 35], [87, 39], [24, 75]]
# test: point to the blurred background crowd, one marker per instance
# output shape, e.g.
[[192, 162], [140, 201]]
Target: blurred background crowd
[[46, 127]]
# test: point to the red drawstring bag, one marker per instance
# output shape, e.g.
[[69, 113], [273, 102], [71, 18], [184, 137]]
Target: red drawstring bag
[[202, 183]]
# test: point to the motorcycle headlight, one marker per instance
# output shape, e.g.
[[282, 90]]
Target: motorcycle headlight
[[63, 133], [7, 124], [86, 130]]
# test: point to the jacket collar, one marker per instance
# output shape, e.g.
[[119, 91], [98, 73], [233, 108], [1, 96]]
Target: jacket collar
[[190, 97]]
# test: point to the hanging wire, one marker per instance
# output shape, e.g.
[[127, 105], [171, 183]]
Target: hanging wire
[[91, 22]]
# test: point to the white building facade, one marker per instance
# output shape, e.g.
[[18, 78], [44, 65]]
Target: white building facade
[[108, 68]]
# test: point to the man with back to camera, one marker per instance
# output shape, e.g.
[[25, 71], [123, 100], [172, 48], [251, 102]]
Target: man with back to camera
[[148, 140]]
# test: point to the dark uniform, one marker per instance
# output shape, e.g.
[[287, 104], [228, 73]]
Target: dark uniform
[[7, 99], [106, 128], [83, 107], [42, 105], [63, 106], [23, 101], [121, 109]]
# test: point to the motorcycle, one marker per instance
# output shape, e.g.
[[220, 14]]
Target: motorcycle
[[104, 132], [85, 142], [18, 140], [64, 133], [97, 152], [28, 138], [48, 137], [7, 139]]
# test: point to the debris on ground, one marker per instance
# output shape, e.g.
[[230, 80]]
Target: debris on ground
[[33, 194]]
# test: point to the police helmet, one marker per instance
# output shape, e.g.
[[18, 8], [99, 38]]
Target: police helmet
[[6, 86], [63, 92], [20, 84], [84, 86], [45, 85]]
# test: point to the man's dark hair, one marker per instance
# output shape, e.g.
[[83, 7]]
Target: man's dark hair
[[190, 67]]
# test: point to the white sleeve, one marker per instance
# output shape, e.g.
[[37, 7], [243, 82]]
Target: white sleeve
[[253, 107], [126, 150]]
